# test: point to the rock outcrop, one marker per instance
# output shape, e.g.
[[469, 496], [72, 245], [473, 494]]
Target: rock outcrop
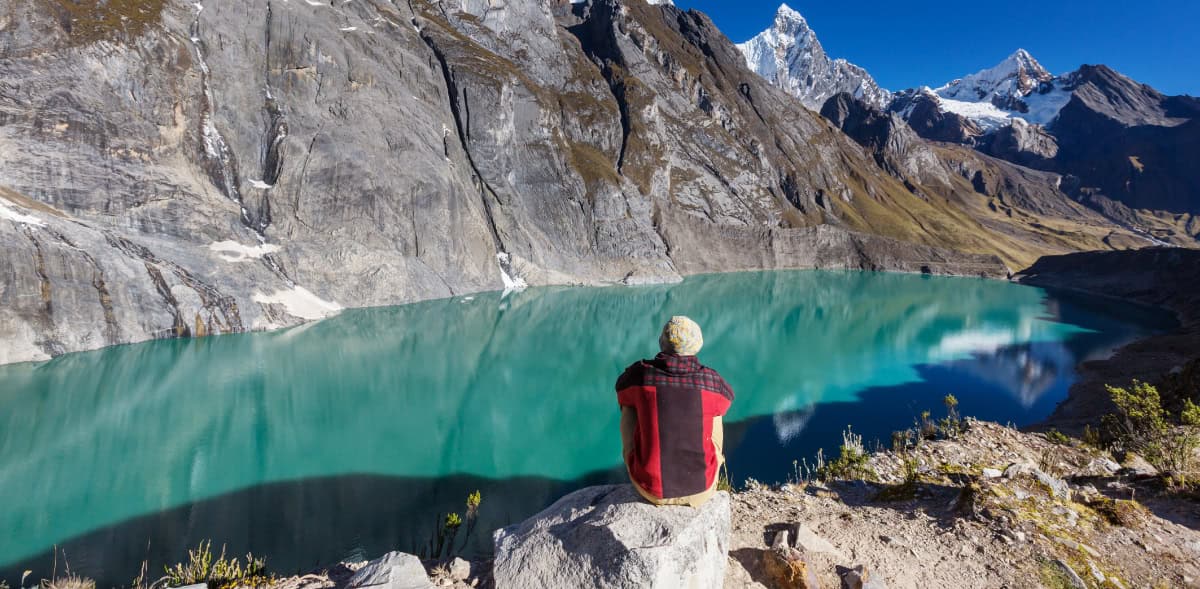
[[610, 537], [394, 570]]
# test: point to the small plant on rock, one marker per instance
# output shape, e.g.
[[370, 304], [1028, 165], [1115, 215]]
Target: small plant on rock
[[950, 426], [441, 545], [926, 427], [1091, 438]]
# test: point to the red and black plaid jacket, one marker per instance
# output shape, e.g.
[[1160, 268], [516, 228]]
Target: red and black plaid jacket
[[676, 399]]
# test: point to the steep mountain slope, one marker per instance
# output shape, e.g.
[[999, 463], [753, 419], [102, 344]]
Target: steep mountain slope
[[789, 55], [179, 169], [1026, 212]]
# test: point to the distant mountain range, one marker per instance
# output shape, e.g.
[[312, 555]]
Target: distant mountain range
[[1121, 147]]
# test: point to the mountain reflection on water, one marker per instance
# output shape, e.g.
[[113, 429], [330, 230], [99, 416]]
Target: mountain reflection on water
[[347, 437]]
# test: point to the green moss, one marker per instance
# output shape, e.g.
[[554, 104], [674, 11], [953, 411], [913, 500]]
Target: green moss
[[88, 21], [1052, 575], [1118, 512]]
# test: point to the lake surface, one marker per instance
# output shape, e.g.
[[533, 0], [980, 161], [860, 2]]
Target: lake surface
[[346, 438]]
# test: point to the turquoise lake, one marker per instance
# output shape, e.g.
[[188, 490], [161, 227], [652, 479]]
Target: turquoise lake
[[346, 438]]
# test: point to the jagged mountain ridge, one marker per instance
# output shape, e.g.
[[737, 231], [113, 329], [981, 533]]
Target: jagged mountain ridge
[[790, 56], [1093, 126], [181, 169]]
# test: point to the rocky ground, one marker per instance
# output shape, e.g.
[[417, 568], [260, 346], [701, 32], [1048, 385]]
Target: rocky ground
[[995, 508]]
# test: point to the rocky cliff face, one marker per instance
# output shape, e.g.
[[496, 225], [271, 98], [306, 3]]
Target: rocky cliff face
[[183, 169]]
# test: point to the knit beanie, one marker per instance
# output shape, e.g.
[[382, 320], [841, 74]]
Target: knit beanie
[[681, 336]]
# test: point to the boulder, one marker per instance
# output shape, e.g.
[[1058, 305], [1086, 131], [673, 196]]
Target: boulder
[[858, 578], [394, 570], [608, 536], [1136, 466], [459, 569], [788, 568], [1056, 486]]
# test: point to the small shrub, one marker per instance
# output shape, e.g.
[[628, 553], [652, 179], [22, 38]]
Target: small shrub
[[1057, 437], [951, 403], [441, 544], [1091, 438], [851, 463], [951, 426], [1141, 425]]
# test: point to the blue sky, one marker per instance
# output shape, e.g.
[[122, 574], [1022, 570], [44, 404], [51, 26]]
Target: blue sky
[[906, 44]]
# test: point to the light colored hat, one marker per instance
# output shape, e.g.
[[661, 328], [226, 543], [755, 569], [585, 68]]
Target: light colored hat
[[681, 336]]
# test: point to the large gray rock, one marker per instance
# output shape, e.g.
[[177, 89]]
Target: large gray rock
[[394, 570], [610, 537]]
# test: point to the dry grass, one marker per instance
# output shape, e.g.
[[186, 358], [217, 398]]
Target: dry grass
[[88, 21], [70, 582]]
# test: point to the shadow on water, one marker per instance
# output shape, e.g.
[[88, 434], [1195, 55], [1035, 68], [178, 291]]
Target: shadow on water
[[304, 525]]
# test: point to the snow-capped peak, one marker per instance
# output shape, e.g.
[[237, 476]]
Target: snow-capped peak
[[789, 56], [1017, 76], [1016, 88], [786, 13]]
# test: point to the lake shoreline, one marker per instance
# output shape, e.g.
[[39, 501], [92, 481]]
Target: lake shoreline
[[886, 255], [1166, 278]]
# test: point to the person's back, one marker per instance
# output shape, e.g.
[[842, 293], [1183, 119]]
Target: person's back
[[671, 409]]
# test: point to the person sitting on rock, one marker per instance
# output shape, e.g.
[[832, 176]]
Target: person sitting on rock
[[671, 410]]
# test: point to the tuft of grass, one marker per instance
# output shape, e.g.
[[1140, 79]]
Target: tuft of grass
[[70, 582], [905, 490], [1118, 512], [723, 478], [219, 572], [1052, 575]]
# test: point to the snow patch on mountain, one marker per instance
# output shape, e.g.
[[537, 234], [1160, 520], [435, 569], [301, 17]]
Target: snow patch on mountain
[[1016, 88], [789, 56]]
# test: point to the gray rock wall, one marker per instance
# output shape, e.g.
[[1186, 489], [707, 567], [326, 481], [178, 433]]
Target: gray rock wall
[[193, 169]]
